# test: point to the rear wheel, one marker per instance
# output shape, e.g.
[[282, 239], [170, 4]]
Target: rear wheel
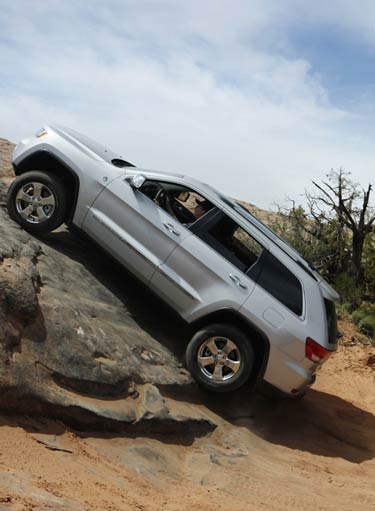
[[220, 357], [37, 201]]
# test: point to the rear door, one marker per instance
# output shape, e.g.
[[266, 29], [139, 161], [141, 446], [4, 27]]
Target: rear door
[[214, 268], [133, 228]]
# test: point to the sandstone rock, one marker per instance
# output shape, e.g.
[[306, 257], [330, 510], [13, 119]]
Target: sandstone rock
[[80, 339], [18, 490], [6, 150]]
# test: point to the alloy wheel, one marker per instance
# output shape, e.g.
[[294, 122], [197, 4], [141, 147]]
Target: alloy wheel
[[219, 358], [35, 202]]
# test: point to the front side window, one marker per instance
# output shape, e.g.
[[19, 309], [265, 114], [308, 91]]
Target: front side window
[[183, 204]]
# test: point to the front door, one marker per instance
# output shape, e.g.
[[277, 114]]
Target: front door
[[132, 227]]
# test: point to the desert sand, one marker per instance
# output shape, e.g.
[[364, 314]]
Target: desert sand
[[315, 453]]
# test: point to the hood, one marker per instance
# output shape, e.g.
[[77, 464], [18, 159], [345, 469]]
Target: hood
[[98, 151]]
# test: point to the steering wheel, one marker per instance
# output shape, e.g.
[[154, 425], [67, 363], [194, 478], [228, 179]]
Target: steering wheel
[[163, 200]]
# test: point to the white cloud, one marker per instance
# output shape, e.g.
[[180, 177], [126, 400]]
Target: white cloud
[[186, 87]]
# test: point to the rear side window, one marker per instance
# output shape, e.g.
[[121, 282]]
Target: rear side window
[[233, 243], [281, 283], [331, 320]]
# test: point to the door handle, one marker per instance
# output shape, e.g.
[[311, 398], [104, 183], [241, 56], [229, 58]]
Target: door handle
[[237, 281], [171, 228]]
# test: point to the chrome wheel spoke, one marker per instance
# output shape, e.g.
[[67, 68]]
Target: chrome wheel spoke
[[205, 361], [211, 345], [25, 197], [228, 347], [232, 364], [41, 214], [218, 373], [25, 213], [47, 201], [37, 189]]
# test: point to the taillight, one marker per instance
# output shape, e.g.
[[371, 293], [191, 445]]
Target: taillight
[[316, 352]]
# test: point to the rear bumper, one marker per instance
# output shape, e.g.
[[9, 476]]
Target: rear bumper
[[290, 377], [274, 392]]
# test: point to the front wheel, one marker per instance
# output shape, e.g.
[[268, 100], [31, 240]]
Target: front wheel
[[220, 357], [37, 201]]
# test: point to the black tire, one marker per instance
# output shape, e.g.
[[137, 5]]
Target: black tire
[[52, 189], [244, 352]]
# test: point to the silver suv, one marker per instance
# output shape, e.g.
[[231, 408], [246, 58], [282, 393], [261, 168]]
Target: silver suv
[[256, 308]]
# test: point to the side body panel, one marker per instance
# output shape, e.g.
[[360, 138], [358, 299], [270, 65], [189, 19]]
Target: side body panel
[[196, 280], [288, 368], [133, 229]]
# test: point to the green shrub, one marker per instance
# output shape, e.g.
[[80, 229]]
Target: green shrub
[[343, 311], [350, 295], [364, 318], [369, 266]]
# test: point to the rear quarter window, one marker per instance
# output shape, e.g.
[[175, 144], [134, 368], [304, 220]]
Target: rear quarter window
[[331, 321], [281, 283]]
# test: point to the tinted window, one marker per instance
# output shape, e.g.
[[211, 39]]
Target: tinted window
[[183, 204], [233, 242], [331, 320], [281, 283]]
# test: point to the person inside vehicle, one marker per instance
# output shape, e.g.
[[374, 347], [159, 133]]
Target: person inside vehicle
[[201, 208]]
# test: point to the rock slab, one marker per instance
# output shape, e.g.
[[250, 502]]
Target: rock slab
[[80, 339]]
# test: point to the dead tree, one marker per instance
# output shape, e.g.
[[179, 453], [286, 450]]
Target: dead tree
[[343, 199]]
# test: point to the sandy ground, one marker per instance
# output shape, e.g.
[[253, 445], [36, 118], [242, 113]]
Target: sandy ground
[[316, 453]]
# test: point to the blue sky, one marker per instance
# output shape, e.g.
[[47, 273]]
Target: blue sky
[[257, 97], [344, 62]]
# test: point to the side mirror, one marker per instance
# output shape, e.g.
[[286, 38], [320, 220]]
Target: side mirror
[[137, 181]]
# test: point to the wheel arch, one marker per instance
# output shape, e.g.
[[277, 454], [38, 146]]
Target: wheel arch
[[258, 338], [47, 162]]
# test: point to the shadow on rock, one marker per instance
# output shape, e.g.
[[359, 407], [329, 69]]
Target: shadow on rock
[[36, 416], [320, 423], [147, 310]]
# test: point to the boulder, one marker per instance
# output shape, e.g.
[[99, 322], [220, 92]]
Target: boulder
[[81, 339]]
